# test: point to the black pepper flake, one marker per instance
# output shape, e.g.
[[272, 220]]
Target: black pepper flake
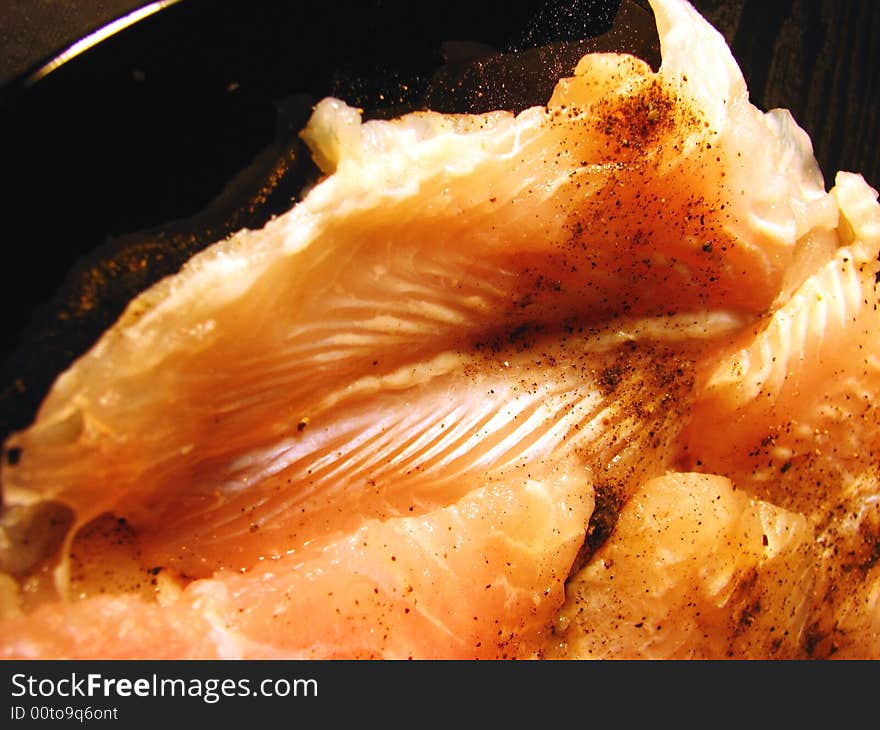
[[13, 456]]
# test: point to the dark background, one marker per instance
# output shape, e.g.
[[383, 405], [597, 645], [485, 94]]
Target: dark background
[[820, 58], [129, 158]]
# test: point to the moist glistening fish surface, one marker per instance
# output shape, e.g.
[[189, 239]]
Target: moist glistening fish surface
[[594, 380]]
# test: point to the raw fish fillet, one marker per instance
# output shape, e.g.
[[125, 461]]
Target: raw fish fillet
[[594, 380]]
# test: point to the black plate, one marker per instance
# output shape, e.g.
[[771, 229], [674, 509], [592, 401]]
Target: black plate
[[129, 157]]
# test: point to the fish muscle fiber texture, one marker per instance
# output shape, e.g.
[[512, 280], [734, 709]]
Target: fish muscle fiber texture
[[594, 380]]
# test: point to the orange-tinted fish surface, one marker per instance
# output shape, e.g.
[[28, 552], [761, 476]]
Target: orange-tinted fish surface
[[596, 380]]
